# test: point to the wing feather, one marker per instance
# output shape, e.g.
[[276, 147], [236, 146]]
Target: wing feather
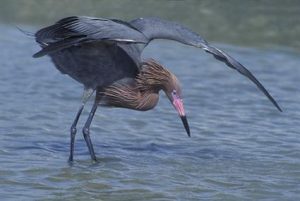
[[155, 28], [76, 30]]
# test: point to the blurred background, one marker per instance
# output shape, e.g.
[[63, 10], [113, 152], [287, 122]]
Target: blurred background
[[262, 23]]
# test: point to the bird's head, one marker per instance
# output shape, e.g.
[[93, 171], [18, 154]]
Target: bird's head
[[154, 77]]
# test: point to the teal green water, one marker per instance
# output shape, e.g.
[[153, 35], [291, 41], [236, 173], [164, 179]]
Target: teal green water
[[257, 23], [241, 147]]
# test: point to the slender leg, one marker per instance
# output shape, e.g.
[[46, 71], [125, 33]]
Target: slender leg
[[86, 95], [86, 131], [73, 132]]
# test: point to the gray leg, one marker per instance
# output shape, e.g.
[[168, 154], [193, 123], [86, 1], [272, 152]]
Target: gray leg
[[73, 132], [86, 95], [86, 131]]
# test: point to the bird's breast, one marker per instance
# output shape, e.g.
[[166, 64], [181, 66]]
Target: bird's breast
[[128, 96]]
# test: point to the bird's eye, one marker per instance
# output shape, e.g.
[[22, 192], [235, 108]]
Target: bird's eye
[[174, 92]]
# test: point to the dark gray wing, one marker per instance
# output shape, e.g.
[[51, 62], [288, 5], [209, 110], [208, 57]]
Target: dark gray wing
[[75, 30], [155, 28]]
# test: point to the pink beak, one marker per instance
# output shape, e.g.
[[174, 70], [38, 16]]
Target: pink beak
[[178, 104]]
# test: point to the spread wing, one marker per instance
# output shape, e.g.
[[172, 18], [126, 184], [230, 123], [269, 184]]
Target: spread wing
[[155, 28], [74, 30]]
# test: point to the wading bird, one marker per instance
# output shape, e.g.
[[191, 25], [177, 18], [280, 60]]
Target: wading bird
[[105, 56]]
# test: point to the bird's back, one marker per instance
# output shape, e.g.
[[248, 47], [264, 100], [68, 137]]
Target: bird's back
[[95, 64], [94, 51]]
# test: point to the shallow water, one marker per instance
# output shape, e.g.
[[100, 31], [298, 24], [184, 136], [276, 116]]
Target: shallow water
[[241, 147]]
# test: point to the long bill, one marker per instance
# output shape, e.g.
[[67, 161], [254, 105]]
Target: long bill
[[178, 104]]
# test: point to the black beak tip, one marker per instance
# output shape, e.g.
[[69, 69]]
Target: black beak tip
[[186, 125]]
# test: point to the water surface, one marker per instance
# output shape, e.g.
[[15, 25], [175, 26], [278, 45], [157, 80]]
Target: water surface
[[241, 147]]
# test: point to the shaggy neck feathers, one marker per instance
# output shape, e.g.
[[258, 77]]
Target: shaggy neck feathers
[[154, 77], [142, 92]]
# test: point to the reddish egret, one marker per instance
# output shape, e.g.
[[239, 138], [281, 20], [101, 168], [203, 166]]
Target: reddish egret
[[105, 56]]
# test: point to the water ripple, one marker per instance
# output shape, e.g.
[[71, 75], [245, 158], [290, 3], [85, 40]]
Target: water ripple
[[241, 147]]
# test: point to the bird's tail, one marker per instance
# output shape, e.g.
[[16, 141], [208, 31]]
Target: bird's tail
[[27, 33]]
